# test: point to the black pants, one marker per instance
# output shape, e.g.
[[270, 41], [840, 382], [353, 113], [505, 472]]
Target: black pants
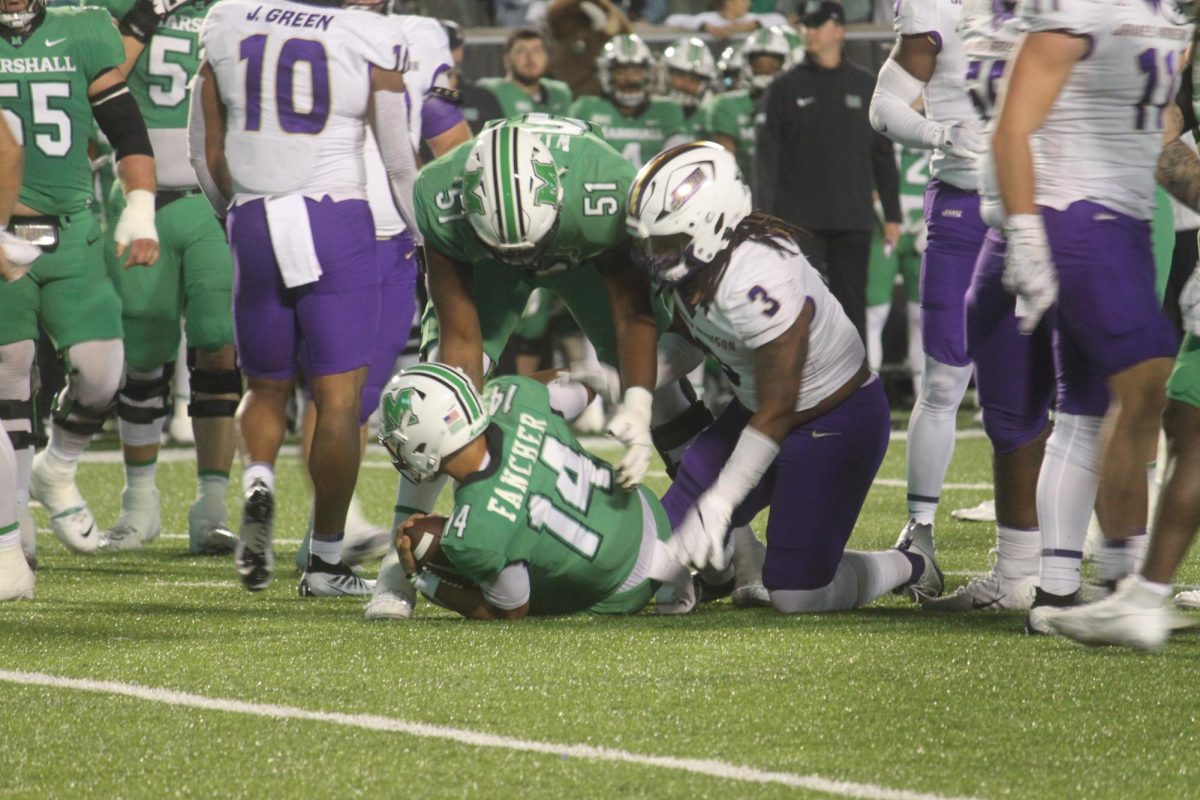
[[842, 257]]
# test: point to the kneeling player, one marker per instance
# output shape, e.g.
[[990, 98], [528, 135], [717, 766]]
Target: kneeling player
[[539, 525], [809, 425]]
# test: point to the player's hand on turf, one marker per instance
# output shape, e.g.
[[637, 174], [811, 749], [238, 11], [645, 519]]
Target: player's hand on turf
[[960, 142], [1029, 271], [631, 427], [135, 229], [1189, 303], [699, 541]]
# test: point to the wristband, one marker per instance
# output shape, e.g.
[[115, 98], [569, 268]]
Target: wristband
[[749, 461]]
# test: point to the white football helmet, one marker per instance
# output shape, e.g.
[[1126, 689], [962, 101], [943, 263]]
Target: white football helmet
[[20, 20], [430, 411], [765, 42], [684, 206], [729, 67], [690, 56], [626, 50], [511, 193], [796, 40]]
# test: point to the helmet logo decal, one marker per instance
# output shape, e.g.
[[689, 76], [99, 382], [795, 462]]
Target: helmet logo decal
[[690, 185], [399, 407], [472, 191], [546, 192]]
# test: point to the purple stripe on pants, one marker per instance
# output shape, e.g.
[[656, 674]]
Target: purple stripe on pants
[[398, 303], [955, 235], [815, 487], [1108, 317], [1014, 374], [333, 319]]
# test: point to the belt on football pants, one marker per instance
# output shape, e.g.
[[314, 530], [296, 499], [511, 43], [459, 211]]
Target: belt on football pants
[[165, 197]]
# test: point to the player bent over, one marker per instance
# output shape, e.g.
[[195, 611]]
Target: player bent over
[[809, 424], [539, 526]]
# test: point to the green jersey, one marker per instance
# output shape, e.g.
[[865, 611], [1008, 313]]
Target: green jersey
[[733, 114], [595, 183], [637, 138], [44, 80], [556, 97], [914, 177], [545, 501]]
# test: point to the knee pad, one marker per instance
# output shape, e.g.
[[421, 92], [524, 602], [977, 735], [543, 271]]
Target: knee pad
[[94, 372], [213, 382], [1009, 431], [943, 387], [143, 398], [673, 434], [16, 392]]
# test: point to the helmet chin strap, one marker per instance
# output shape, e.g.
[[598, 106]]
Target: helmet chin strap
[[630, 99]]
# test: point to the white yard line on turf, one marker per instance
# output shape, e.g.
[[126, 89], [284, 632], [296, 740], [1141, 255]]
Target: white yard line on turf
[[715, 769]]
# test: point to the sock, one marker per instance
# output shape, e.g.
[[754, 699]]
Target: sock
[[66, 447], [860, 578], [329, 551], [748, 556], [1117, 558], [10, 536], [139, 476], [931, 436], [876, 320], [1018, 551], [259, 471], [1066, 495], [212, 485]]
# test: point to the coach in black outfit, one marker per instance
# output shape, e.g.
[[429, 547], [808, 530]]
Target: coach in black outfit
[[818, 159]]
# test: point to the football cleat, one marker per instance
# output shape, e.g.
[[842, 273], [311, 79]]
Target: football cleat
[[918, 540], [322, 579], [386, 604], [208, 529], [254, 554], [749, 554], [28, 534], [984, 512], [1189, 599], [70, 518], [1035, 623], [990, 592], [16, 578], [394, 597], [139, 523], [1132, 616]]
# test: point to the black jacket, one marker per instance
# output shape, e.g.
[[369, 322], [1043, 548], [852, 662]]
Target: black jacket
[[818, 159]]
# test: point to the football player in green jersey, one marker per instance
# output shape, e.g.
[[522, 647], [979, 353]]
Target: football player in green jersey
[[539, 525], [59, 69], [634, 123], [690, 78], [193, 280], [525, 89], [905, 259], [732, 117]]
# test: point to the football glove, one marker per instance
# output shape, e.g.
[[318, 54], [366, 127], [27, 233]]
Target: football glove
[[18, 254], [631, 427], [955, 140], [699, 541], [1029, 269]]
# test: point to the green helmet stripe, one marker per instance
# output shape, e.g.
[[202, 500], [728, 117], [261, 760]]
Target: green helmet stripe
[[497, 184], [465, 393], [508, 184]]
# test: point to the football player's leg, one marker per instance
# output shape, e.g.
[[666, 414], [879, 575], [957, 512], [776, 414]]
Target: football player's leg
[[1178, 513], [910, 270], [881, 274], [82, 314], [16, 413], [16, 579]]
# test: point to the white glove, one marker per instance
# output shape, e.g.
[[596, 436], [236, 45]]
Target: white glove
[[1189, 303], [137, 220], [958, 141], [1029, 269], [600, 378], [631, 427], [18, 254], [699, 540]]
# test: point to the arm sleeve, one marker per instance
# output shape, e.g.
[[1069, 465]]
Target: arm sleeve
[[762, 297], [887, 177], [892, 112], [395, 146], [196, 150], [509, 589]]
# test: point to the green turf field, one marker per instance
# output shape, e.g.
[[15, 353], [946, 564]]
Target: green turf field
[[886, 702]]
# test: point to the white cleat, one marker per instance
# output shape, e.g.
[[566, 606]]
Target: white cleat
[[990, 592], [1189, 599], [70, 518], [918, 539], [984, 512], [139, 524], [28, 533], [16, 578], [208, 529], [388, 605], [1132, 616], [180, 429]]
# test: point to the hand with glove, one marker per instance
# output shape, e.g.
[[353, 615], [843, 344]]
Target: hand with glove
[[699, 540], [1189, 303], [135, 229], [1029, 271], [958, 141], [631, 427]]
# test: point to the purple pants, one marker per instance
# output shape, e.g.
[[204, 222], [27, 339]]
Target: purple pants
[[1108, 318], [398, 296], [815, 487], [334, 319], [955, 235], [1013, 373]]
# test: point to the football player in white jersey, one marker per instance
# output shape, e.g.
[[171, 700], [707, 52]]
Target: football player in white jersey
[[279, 114], [436, 118], [1078, 137], [927, 64], [810, 422]]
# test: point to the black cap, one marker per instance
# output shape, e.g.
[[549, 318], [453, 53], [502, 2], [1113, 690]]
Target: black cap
[[815, 13], [454, 32]]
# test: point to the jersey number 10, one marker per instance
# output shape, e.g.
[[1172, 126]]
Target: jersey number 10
[[293, 53]]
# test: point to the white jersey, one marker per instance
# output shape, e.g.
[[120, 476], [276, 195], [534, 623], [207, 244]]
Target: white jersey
[[945, 96], [990, 32], [1102, 138], [429, 63], [761, 294], [295, 81]]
